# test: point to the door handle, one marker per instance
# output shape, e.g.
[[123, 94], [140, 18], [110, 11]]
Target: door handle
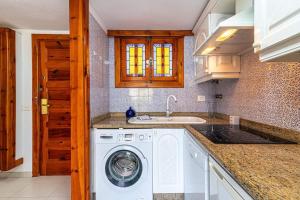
[[44, 106]]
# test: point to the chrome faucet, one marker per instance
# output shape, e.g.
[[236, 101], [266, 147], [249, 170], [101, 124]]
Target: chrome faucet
[[168, 112]]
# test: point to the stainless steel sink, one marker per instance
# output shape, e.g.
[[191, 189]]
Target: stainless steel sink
[[168, 120]]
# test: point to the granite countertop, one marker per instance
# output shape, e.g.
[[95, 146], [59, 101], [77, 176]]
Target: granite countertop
[[265, 171]]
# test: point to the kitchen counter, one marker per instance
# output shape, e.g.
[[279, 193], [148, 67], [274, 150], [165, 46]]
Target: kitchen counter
[[265, 171]]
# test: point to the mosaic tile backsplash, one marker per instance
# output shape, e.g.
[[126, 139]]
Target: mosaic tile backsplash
[[266, 92], [99, 91], [154, 99]]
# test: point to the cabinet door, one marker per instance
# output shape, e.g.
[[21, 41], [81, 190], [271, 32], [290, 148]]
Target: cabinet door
[[220, 189], [195, 160], [201, 68], [223, 64], [282, 14], [202, 33], [167, 161], [222, 186], [277, 26]]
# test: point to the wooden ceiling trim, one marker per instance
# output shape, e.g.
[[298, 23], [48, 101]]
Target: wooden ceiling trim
[[142, 33]]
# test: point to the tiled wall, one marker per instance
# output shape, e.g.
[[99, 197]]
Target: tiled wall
[[154, 100], [99, 91], [266, 92]]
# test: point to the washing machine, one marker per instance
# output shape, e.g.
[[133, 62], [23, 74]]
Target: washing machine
[[123, 164]]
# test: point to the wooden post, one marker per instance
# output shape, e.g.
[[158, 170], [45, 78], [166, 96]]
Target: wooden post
[[8, 100], [80, 114]]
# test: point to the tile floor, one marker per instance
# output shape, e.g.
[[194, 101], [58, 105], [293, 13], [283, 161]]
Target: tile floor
[[38, 188]]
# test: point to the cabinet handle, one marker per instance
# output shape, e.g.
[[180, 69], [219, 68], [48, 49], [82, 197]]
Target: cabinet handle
[[217, 172], [193, 155], [106, 136], [227, 185], [232, 191]]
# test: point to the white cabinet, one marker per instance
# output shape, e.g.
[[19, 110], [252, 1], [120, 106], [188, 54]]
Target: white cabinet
[[217, 67], [195, 170], [168, 161], [207, 27], [223, 64], [222, 186], [201, 68], [277, 29]]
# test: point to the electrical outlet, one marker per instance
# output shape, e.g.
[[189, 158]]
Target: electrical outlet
[[200, 98], [107, 62]]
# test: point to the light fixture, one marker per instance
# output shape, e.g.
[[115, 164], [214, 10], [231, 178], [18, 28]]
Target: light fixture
[[226, 35], [208, 50]]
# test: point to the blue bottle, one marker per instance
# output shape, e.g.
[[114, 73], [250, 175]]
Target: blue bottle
[[130, 113]]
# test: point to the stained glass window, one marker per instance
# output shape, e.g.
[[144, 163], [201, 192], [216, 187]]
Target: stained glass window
[[162, 59], [149, 62], [135, 60]]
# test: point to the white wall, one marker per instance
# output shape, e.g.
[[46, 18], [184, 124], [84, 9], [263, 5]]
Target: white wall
[[24, 96]]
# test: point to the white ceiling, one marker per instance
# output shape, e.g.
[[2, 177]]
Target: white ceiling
[[149, 14], [35, 14], [114, 14]]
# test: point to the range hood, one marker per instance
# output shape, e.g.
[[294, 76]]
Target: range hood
[[233, 36]]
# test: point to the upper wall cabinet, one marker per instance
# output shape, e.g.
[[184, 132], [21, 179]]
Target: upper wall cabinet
[[277, 30], [216, 67], [225, 28], [223, 33]]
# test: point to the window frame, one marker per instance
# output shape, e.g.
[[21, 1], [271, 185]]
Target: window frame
[[149, 81], [123, 49]]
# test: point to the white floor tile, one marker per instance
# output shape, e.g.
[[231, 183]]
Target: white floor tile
[[59, 198], [38, 188], [10, 186]]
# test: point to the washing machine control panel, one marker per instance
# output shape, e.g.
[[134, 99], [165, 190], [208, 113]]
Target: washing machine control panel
[[134, 137], [123, 136]]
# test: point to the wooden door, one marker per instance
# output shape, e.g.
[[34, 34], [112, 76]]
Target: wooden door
[[8, 101], [55, 124]]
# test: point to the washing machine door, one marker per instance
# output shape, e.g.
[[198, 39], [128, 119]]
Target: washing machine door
[[124, 167]]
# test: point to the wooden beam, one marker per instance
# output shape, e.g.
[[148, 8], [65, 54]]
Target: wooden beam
[[179, 33], [8, 100], [80, 112]]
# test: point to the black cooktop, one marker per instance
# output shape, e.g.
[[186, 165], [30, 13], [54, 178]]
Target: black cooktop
[[233, 134]]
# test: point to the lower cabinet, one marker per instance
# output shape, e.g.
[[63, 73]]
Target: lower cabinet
[[195, 163], [182, 165], [222, 186], [168, 161]]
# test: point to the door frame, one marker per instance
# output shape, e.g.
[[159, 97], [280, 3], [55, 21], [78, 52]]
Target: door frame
[[36, 104], [80, 102]]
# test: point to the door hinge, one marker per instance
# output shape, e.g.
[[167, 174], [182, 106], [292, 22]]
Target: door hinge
[[93, 196], [86, 71]]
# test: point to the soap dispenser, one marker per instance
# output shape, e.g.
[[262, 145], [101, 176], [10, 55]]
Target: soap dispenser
[[130, 113]]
